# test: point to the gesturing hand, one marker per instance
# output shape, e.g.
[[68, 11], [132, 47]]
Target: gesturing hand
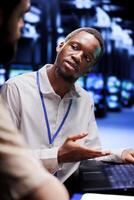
[[70, 151]]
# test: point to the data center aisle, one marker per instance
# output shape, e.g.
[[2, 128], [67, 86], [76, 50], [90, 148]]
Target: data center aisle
[[117, 129]]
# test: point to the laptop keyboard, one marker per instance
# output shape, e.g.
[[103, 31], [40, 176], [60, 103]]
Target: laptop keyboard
[[120, 175]]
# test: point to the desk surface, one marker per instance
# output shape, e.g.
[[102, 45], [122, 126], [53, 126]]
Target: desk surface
[[91, 196]]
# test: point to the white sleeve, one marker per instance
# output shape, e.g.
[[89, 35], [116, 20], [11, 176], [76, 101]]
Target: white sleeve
[[10, 94], [48, 158], [20, 173], [93, 140]]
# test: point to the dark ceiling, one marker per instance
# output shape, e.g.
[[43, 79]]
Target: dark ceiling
[[115, 8], [121, 8]]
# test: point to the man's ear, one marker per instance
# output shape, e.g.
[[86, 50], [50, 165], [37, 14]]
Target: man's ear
[[58, 48]]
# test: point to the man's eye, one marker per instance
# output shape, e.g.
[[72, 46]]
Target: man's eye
[[74, 46]]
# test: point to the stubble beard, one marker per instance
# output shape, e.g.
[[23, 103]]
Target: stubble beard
[[66, 78]]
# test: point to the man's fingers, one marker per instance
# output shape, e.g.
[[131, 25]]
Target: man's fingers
[[97, 153], [77, 137], [105, 154]]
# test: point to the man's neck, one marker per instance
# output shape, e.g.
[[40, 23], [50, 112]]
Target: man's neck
[[60, 86]]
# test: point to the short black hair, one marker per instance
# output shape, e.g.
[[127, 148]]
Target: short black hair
[[92, 31]]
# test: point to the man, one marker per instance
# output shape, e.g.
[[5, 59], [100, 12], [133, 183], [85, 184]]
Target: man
[[55, 115], [21, 176]]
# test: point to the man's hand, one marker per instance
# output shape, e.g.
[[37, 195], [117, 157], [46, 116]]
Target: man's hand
[[128, 156], [70, 151]]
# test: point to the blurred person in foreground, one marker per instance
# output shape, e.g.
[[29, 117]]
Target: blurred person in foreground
[[21, 175]]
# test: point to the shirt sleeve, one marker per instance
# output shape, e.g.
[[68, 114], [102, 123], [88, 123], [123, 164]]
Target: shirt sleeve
[[10, 94], [20, 173], [93, 140], [48, 158]]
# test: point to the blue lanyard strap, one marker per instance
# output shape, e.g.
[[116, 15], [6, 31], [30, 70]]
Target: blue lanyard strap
[[51, 139]]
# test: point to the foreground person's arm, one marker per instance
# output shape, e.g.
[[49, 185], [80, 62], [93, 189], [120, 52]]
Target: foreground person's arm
[[20, 174], [51, 189]]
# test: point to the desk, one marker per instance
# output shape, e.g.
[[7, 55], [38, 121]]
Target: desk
[[89, 196]]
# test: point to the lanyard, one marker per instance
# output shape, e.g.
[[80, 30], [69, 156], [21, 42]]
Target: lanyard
[[51, 138]]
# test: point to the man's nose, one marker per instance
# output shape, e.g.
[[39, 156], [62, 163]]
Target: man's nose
[[77, 56]]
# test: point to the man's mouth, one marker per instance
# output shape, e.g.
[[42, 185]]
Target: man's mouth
[[73, 65]]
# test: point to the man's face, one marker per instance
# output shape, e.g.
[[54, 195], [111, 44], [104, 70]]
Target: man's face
[[77, 55], [12, 31]]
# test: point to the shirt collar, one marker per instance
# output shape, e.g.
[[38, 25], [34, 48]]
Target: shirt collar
[[46, 87]]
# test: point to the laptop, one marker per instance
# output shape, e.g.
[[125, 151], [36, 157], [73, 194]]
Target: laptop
[[106, 178]]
